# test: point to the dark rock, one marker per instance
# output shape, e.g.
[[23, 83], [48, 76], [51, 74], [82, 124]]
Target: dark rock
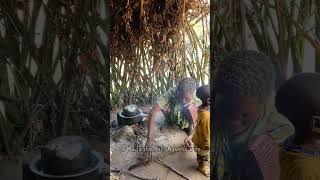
[[114, 124], [123, 133]]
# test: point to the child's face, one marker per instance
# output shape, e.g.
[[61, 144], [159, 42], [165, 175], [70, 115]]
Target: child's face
[[208, 101], [315, 117], [316, 126], [239, 112]]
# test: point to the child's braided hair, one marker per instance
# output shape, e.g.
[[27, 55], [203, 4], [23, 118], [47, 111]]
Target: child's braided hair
[[245, 73]]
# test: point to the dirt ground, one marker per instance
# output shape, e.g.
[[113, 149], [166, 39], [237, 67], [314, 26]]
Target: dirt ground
[[183, 161]]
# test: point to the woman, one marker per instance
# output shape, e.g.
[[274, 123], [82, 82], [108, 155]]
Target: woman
[[178, 105]]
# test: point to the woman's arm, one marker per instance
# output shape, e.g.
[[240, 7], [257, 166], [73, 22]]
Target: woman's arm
[[153, 112], [188, 141]]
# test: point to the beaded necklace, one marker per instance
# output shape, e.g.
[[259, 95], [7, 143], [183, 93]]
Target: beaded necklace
[[290, 147]]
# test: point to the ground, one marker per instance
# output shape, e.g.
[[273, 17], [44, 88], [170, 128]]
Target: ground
[[184, 162]]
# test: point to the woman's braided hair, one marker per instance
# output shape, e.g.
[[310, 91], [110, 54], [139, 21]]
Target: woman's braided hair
[[186, 85]]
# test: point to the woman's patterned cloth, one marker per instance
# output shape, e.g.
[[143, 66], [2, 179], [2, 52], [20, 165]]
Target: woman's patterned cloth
[[175, 111]]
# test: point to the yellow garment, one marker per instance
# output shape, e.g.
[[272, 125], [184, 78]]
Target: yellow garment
[[298, 166], [204, 168], [201, 137], [202, 152]]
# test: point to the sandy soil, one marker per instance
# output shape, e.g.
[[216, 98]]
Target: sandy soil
[[183, 161]]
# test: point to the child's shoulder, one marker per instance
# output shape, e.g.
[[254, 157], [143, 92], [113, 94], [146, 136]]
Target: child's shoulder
[[292, 155], [202, 110], [299, 163]]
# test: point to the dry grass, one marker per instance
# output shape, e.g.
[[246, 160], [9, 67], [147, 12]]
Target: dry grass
[[153, 44]]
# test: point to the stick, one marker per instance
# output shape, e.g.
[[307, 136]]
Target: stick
[[135, 165], [171, 168], [132, 174]]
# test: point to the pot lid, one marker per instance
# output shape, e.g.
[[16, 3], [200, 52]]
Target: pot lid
[[122, 114]]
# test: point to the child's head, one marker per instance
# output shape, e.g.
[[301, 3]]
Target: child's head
[[203, 93], [298, 99], [244, 80]]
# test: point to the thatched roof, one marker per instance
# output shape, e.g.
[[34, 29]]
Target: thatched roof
[[153, 43], [154, 23]]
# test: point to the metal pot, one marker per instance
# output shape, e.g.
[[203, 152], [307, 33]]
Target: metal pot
[[65, 155], [81, 163], [130, 110], [123, 120], [130, 115]]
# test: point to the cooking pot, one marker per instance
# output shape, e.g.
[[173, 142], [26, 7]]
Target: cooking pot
[[65, 158], [130, 115], [65, 155]]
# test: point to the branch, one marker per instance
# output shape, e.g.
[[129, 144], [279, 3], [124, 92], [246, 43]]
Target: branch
[[171, 168], [314, 43], [132, 174]]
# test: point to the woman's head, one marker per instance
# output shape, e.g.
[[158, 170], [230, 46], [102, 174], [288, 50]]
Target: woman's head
[[298, 99], [203, 93], [185, 89], [244, 81]]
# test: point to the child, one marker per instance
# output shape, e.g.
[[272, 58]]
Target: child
[[299, 100], [200, 136], [247, 126]]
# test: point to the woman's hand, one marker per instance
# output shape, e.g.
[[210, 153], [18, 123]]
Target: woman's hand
[[188, 142], [148, 151]]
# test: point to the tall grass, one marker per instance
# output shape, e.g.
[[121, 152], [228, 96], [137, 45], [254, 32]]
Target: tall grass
[[280, 29], [54, 60]]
